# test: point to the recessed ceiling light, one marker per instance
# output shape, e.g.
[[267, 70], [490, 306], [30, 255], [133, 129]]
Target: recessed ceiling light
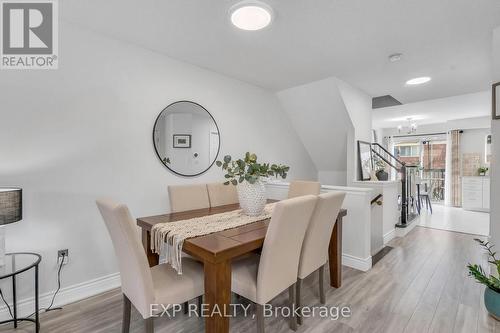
[[418, 80], [251, 15]]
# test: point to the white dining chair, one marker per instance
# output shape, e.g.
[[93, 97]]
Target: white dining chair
[[314, 253], [188, 197], [221, 195], [262, 278], [140, 284], [298, 188]]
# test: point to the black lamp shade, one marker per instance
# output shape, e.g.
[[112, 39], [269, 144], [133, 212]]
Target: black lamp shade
[[11, 205]]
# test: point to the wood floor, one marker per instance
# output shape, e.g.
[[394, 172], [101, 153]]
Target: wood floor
[[419, 286]]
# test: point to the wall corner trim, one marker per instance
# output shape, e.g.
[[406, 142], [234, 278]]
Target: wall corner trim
[[357, 263]]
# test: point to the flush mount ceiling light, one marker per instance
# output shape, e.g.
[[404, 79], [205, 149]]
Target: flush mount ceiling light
[[418, 80], [251, 15]]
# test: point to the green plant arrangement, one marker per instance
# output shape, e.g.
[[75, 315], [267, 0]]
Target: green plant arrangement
[[478, 273], [492, 283], [248, 169], [482, 171]]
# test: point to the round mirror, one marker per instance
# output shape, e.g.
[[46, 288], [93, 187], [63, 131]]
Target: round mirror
[[186, 138]]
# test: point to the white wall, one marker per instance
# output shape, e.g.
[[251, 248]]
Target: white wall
[[389, 216], [435, 110], [84, 131], [320, 118], [359, 107], [443, 127], [495, 135], [474, 141], [330, 116]]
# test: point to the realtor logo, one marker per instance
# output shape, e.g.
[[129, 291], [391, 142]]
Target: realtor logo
[[29, 34]]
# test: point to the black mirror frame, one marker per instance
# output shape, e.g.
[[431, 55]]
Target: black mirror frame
[[360, 163], [156, 150]]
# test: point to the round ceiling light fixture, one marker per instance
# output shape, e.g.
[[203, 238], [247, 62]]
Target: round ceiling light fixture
[[418, 80], [251, 15]]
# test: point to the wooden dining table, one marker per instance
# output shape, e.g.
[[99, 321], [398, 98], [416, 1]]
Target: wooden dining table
[[217, 250]]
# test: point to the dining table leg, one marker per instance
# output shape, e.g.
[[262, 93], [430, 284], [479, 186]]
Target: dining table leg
[[335, 254], [153, 258], [217, 296]]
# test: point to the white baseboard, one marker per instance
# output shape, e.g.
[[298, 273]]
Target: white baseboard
[[401, 232], [389, 236], [357, 263], [66, 295], [97, 286]]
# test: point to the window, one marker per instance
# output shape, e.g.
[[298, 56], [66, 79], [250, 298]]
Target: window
[[407, 150]]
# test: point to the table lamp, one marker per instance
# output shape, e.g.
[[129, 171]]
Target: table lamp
[[11, 210]]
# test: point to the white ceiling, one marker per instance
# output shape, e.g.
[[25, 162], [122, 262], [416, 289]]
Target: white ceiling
[[434, 111], [449, 40]]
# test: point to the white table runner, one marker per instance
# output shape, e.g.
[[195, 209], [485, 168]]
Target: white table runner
[[168, 238]]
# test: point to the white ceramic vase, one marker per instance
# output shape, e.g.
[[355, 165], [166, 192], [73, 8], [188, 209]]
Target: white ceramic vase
[[252, 197]]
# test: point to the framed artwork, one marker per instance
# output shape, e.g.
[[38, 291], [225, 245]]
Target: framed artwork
[[496, 101], [182, 140], [365, 161]]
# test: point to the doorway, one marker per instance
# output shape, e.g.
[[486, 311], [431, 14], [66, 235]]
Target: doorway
[[428, 154]]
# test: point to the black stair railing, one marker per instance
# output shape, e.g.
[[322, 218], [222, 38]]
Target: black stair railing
[[400, 167]]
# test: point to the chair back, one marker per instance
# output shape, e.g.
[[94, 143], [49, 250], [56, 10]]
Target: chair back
[[279, 260], [299, 188], [188, 197], [317, 239], [220, 194], [135, 274]]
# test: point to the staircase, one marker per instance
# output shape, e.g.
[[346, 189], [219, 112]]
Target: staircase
[[407, 175]]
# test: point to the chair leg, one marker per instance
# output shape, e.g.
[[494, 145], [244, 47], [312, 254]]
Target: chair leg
[[298, 299], [149, 325], [127, 306], [259, 311], [200, 303], [430, 205], [322, 298], [291, 301]]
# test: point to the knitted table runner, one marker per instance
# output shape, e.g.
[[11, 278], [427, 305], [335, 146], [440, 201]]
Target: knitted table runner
[[168, 238]]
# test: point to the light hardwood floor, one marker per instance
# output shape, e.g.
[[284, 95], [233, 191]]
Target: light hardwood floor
[[419, 286]]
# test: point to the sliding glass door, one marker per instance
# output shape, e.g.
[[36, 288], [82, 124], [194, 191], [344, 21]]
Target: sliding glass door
[[434, 167], [429, 155]]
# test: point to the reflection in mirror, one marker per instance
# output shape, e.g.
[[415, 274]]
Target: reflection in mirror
[[365, 160], [186, 138]]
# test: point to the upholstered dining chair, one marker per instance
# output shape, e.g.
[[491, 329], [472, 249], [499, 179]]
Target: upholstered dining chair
[[298, 188], [262, 278], [142, 285], [314, 251], [220, 194], [188, 197]]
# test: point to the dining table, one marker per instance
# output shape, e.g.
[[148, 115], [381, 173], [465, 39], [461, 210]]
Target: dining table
[[217, 251]]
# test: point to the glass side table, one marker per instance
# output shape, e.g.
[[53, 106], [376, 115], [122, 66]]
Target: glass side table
[[15, 264]]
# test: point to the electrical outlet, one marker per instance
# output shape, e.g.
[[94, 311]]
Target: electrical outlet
[[63, 253]]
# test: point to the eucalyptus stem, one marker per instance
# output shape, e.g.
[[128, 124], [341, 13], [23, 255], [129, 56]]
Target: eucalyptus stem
[[248, 169]]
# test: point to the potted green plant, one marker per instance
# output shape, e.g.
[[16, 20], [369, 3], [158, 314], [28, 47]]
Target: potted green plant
[[492, 283], [246, 173], [380, 172], [482, 171]]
